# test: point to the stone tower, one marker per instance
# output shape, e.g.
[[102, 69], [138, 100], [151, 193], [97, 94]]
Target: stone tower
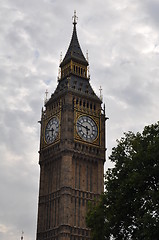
[[72, 151]]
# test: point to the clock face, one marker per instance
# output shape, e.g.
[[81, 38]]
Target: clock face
[[51, 130], [87, 128]]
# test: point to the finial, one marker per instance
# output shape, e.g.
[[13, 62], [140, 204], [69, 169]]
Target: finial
[[60, 57], [74, 18], [100, 90], [87, 56], [88, 72], [59, 71], [46, 93], [22, 235]]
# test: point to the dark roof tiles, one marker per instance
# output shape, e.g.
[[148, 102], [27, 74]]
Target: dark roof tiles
[[74, 51]]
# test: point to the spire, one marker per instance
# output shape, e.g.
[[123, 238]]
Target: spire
[[74, 51]]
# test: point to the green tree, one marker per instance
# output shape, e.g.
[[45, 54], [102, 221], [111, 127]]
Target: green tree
[[129, 208]]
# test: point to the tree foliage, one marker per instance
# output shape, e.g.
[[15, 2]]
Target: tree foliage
[[129, 208]]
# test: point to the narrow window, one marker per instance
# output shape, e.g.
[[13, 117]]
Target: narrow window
[[79, 175], [91, 179], [87, 178], [79, 203], [75, 173], [75, 213]]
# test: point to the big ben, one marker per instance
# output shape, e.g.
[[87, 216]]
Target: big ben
[[72, 150]]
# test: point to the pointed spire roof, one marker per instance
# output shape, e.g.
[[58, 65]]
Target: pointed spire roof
[[74, 51]]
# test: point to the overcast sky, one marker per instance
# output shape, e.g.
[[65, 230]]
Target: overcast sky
[[122, 39]]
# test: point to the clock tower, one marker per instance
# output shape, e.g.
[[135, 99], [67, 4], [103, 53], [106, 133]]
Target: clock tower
[[72, 150]]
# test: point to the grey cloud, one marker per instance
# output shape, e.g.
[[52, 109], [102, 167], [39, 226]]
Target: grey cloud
[[120, 36], [152, 8]]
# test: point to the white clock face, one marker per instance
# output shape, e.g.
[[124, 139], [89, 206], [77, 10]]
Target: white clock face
[[51, 130], [87, 128]]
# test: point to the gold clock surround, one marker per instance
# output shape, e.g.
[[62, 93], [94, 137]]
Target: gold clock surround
[[96, 119], [57, 138]]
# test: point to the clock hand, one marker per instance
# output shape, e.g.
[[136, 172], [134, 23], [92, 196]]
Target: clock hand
[[50, 130], [87, 129]]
